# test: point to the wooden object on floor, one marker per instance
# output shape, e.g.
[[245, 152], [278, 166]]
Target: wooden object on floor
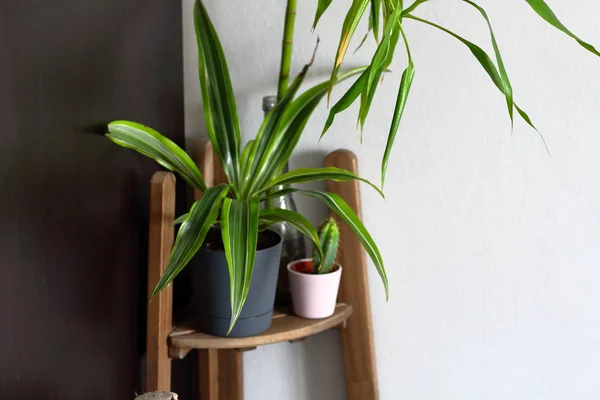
[[357, 337], [160, 324], [285, 328], [220, 371], [158, 396]]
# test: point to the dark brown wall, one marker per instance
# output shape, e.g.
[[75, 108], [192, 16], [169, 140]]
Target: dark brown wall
[[73, 206]]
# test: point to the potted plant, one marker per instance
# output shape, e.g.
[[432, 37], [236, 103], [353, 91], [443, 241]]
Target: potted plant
[[314, 282], [232, 211], [227, 223]]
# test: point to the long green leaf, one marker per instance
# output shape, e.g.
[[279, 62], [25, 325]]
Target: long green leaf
[[374, 18], [508, 90], [351, 21], [239, 228], [192, 232], [544, 11], [346, 100], [413, 6], [405, 85], [302, 224], [305, 175], [282, 140], [381, 60], [152, 144], [321, 8], [220, 113], [317, 91], [484, 59], [345, 212]]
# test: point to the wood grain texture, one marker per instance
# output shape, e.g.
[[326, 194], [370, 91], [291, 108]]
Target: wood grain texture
[[221, 372], [357, 337], [284, 329], [159, 320]]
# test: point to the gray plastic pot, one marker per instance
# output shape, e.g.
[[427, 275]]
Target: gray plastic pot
[[209, 281]]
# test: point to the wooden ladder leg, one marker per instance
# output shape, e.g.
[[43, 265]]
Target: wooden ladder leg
[[220, 371], [160, 322], [357, 337]]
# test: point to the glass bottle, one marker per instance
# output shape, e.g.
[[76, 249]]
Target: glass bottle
[[293, 241]]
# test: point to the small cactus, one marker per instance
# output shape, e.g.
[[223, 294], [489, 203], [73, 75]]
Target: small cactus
[[329, 236]]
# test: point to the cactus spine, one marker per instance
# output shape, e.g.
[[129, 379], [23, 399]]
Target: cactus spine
[[329, 236]]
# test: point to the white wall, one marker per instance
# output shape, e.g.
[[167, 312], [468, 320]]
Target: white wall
[[492, 245]]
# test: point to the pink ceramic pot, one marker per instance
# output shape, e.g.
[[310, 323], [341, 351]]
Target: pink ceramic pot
[[313, 295]]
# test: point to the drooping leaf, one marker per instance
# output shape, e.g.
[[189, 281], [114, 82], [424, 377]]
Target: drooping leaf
[[381, 60], [152, 144], [508, 90], [302, 224], [345, 212], [346, 100], [321, 8], [374, 18], [405, 85], [305, 175], [544, 11], [192, 232], [220, 113], [317, 91], [239, 228], [484, 59], [351, 21]]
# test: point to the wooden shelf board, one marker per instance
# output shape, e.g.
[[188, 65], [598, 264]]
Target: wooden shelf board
[[286, 327]]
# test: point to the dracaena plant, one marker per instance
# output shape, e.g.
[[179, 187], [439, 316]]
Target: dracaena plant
[[253, 173]]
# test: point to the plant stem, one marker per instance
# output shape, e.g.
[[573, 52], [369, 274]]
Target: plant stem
[[286, 48]]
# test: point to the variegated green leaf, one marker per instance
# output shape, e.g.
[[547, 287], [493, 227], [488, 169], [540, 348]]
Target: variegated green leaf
[[220, 113], [152, 144], [239, 228], [192, 232], [305, 175]]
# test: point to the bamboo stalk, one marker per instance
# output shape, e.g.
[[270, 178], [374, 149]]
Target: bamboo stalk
[[286, 48]]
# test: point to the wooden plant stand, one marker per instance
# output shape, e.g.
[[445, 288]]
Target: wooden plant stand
[[220, 359]]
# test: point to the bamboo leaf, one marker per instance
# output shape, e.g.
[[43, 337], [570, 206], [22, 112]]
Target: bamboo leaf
[[508, 90], [220, 113], [351, 21], [544, 11], [239, 228], [374, 18], [305, 175], [297, 220], [405, 85], [152, 144], [321, 8], [346, 100], [192, 232]]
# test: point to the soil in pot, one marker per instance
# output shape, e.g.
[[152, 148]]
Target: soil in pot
[[209, 280]]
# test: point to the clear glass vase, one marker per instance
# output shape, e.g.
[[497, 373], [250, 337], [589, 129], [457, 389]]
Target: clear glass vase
[[293, 241]]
